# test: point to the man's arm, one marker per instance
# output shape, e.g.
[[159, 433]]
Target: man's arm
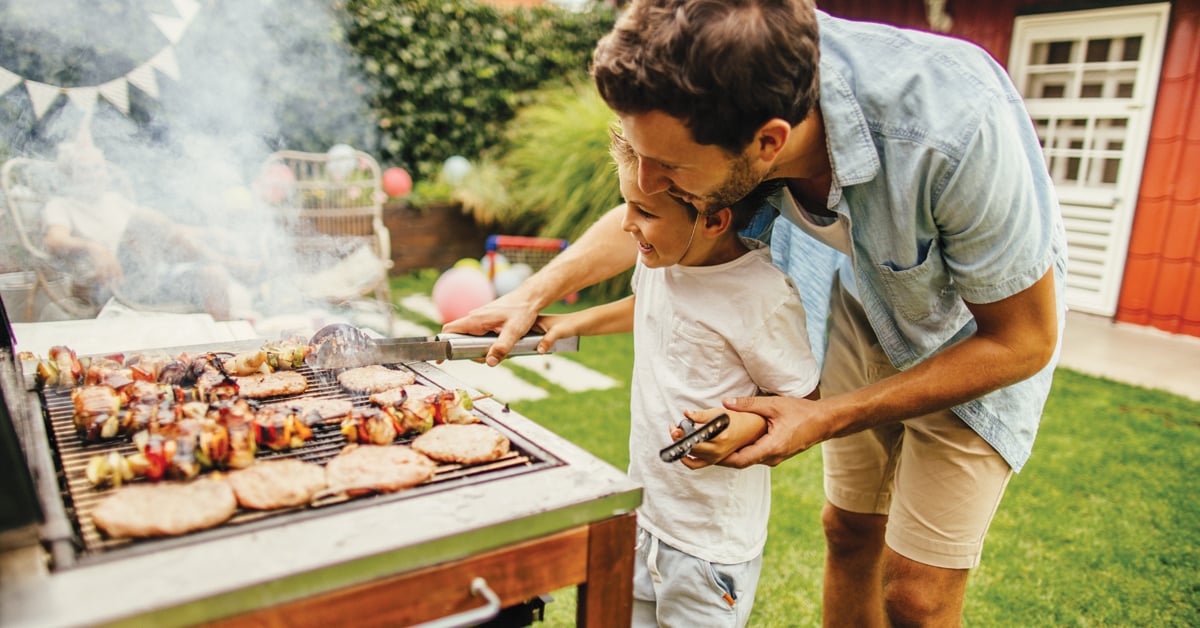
[[603, 251], [1015, 339], [60, 241]]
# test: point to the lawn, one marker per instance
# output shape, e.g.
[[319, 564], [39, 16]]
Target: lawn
[[1099, 529]]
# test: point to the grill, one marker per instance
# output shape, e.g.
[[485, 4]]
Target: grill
[[72, 455], [546, 504]]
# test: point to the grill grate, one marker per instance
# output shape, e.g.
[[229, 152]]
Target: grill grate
[[80, 497]]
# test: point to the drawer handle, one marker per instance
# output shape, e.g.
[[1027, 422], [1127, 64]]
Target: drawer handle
[[488, 611]]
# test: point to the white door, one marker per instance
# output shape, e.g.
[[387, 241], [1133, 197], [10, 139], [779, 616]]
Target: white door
[[1089, 79]]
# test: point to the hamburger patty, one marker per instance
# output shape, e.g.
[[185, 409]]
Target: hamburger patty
[[165, 509], [393, 396], [373, 379], [274, 384], [384, 468], [462, 443], [325, 408], [277, 484]]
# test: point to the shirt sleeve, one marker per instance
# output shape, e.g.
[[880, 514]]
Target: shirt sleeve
[[996, 214], [778, 357]]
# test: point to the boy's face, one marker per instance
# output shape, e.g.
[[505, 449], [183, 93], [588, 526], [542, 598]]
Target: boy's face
[[660, 224], [671, 161]]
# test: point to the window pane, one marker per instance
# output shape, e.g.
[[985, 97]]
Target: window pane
[[1059, 52], [1097, 50], [1133, 49]]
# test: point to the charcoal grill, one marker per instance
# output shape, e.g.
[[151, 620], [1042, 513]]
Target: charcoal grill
[[547, 516]]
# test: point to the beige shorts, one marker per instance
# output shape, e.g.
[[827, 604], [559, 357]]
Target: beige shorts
[[937, 481]]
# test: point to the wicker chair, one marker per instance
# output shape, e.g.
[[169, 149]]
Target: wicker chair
[[27, 185], [333, 213]]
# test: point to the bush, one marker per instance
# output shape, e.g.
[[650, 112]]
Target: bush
[[448, 75], [553, 175]]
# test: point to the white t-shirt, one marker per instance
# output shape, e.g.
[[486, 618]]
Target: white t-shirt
[[102, 220], [702, 333]]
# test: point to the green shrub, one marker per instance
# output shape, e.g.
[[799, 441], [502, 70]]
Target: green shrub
[[553, 175], [448, 75]]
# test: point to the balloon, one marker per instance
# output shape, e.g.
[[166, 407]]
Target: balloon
[[396, 182], [523, 269], [485, 264], [341, 160], [460, 290], [510, 278], [276, 183], [455, 169], [468, 262]]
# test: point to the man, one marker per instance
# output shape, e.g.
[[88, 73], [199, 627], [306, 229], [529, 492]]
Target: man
[[125, 248], [913, 156]]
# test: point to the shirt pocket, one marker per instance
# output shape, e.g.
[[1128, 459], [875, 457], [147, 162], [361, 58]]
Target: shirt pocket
[[696, 355], [922, 294]]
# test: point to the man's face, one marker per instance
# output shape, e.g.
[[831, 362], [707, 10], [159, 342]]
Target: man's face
[[671, 161]]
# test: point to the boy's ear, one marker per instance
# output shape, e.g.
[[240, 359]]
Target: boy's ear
[[717, 222]]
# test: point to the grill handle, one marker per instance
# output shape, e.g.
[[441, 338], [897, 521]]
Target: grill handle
[[487, 612]]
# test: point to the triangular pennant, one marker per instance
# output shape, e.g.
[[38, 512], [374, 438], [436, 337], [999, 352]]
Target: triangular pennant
[[8, 80], [117, 93], [142, 77], [165, 62], [172, 27], [84, 97], [187, 9], [42, 95]]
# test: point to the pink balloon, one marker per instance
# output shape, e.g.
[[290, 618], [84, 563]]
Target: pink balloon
[[460, 290], [396, 182], [275, 183]]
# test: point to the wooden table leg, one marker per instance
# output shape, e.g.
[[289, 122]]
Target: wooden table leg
[[606, 598]]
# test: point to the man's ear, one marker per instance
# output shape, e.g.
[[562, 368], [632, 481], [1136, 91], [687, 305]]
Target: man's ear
[[717, 222], [771, 138]]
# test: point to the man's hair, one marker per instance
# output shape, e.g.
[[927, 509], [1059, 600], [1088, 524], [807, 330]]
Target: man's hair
[[724, 67], [743, 211]]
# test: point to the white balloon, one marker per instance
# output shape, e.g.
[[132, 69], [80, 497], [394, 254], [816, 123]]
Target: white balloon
[[341, 160], [455, 169], [485, 264], [508, 280]]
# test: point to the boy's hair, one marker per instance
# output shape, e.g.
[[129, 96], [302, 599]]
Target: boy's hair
[[743, 211], [724, 67]]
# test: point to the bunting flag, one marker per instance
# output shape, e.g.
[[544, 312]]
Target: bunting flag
[[42, 96], [116, 92], [8, 80]]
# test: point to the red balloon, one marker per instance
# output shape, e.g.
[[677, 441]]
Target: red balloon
[[396, 182]]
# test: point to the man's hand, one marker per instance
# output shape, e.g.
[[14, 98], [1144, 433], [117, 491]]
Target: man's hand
[[511, 316], [793, 426], [108, 268]]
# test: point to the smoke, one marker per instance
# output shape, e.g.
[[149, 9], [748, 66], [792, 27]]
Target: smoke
[[253, 77]]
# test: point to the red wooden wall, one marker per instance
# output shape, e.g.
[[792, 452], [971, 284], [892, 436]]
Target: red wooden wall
[[1161, 286]]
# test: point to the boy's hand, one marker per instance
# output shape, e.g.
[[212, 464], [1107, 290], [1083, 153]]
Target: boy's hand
[[744, 428], [552, 327]]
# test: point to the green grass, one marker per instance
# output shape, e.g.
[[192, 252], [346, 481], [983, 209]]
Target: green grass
[[1101, 528]]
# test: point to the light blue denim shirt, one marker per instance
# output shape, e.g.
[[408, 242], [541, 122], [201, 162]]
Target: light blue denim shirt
[[938, 169]]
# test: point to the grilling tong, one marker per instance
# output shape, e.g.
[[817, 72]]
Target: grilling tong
[[340, 345]]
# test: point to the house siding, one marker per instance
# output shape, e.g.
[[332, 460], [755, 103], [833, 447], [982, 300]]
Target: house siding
[[1161, 283]]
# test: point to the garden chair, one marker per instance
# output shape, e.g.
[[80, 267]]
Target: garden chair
[[333, 213], [59, 287], [49, 290]]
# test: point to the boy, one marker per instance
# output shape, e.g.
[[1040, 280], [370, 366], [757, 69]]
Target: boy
[[711, 317]]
